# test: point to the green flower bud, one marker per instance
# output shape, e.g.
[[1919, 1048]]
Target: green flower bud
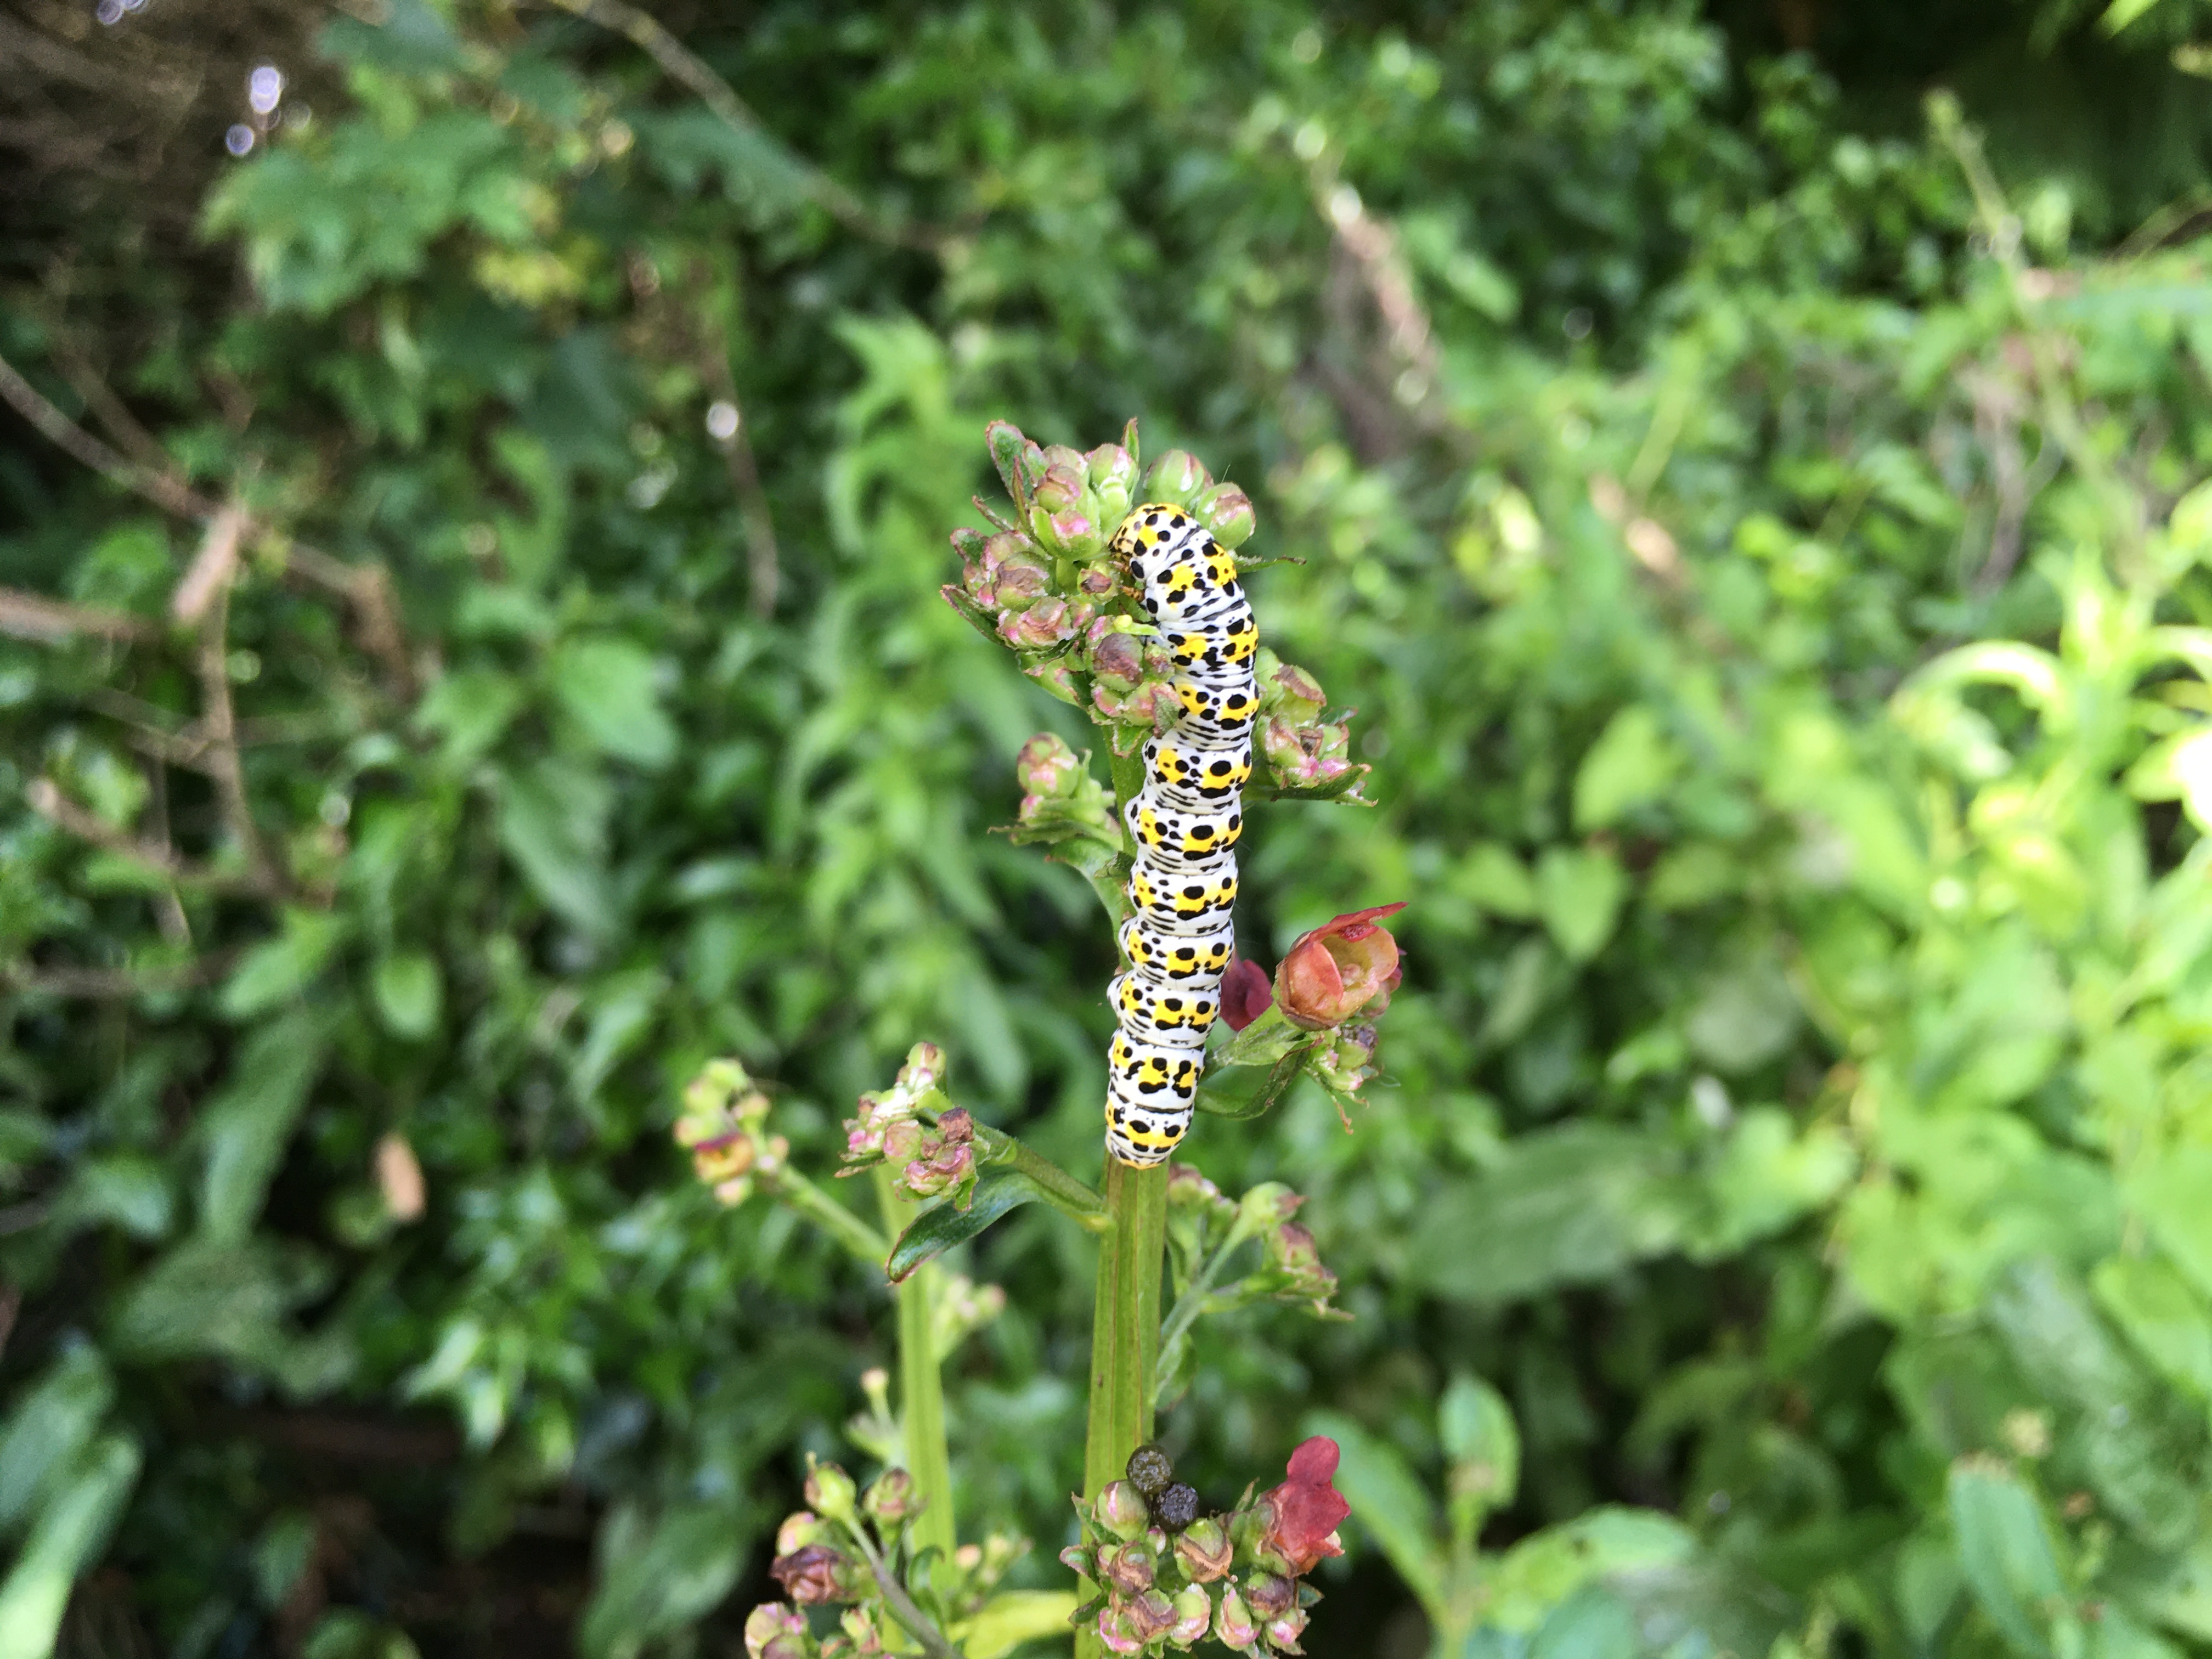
[[1193, 1617], [1062, 458], [1287, 690], [1176, 476], [1043, 626], [1113, 477], [829, 1490], [1232, 1622], [1226, 511], [1204, 1549], [924, 1069], [891, 1499], [1057, 677], [1120, 1509], [1047, 769]]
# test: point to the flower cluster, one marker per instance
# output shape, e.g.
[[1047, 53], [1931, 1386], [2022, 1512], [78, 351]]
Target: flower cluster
[[913, 1125], [1043, 581], [722, 1126], [1059, 798], [1169, 1575], [1203, 1225], [851, 1550]]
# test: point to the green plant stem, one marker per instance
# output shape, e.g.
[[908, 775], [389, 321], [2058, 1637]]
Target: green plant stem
[[840, 1223], [921, 1386], [1125, 1325], [916, 1623], [1192, 1303], [1068, 1195]]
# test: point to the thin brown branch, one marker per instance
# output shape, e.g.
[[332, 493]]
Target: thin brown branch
[[114, 984], [47, 800], [367, 587], [115, 413], [763, 567], [219, 722], [50, 621], [213, 567], [685, 67]]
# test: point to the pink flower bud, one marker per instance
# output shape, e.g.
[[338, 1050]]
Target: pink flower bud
[[770, 1621], [1117, 657], [891, 1499], [1246, 992], [1285, 1629], [1151, 1615], [1120, 1509], [816, 1574], [1339, 969], [1043, 625], [1127, 1567], [924, 1069], [1019, 583], [799, 1529], [1116, 1631], [946, 1166], [1270, 1593]]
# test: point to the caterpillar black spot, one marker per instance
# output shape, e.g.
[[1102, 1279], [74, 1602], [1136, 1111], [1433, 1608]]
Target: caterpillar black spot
[[1184, 824]]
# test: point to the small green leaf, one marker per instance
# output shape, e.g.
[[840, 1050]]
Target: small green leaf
[[67, 1535], [2006, 1553], [48, 1428], [607, 685], [408, 993], [998, 1188], [247, 1125], [1632, 763], [1481, 1439], [675, 1571], [1579, 892], [280, 969]]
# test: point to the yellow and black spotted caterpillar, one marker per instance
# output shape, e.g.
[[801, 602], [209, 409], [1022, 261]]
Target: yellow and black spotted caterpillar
[[1184, 824]]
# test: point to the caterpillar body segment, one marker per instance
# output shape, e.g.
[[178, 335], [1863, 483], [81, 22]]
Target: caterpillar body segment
[[1184, 824]]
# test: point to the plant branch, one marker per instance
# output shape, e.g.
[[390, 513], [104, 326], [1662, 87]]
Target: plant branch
[[366, 588], [1192, 1303], [916, 1623], [840, 1223], [106, 983], [764, 569], [47, 800], [219, 722], [685, 67], [50, 621], [921, 1382], [1067, 1194]]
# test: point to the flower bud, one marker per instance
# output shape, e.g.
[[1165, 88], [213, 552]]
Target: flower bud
[[1186, 1187], [1127, 1567], [1054, 677], [1339, 969], [891, 1499], [1176, 476], [1270, 1593], [948, 1164], [1232, 1622], [904, 1140], [1291, 1248], [1097, 581], [769, 1623], [1117, 657], [1285, 1629], [1115, 1630], [1227, 512], [1150, 703], [1113, 478], [1077, 1559], [817, 1574], [1193, 1617], [1247, 991], [1043, 625], [858, 1625], [1120, 1509], [799, 1529], [1151, 1615], [1204, 1549], [1020, 578], [828, 1490], [924, 1069], [1287, 690], [1009, 453]]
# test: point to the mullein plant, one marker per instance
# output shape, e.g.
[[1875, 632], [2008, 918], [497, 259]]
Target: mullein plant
[[1157, 1568]]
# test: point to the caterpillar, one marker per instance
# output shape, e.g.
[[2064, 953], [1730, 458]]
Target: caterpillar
[[1184, 824]]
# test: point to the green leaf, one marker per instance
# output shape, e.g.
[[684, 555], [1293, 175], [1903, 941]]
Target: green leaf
[[63, 1541], [408, 993], [608, 685], [1544, 1569], [1489, 876], [2005, 1552], [675, 1569], [1744, 1017], [998, 1188], [1579, 893], [1566, 1206], [2166, 1321], [1012, 1617], [1632, 763], [551, 821], [471, 709], [49, 1427], [280, 969], [247, 1125], [1390, 1505], [1484, 1444]]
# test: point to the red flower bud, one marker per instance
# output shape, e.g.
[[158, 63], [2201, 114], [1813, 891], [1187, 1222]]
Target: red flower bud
[[815, 1574], [1336, 970], [1246, 990]]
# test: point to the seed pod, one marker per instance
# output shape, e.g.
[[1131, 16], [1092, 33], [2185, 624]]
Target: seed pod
[[1150, 1470]]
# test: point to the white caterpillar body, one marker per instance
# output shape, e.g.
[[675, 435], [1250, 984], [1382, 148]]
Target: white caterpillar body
[[1184, 824]]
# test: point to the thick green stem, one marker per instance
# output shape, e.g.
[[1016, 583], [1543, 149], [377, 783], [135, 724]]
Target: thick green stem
[[1125, 1325], [921, 1386]]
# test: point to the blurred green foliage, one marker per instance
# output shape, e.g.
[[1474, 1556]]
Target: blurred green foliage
[[1773, 589]]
